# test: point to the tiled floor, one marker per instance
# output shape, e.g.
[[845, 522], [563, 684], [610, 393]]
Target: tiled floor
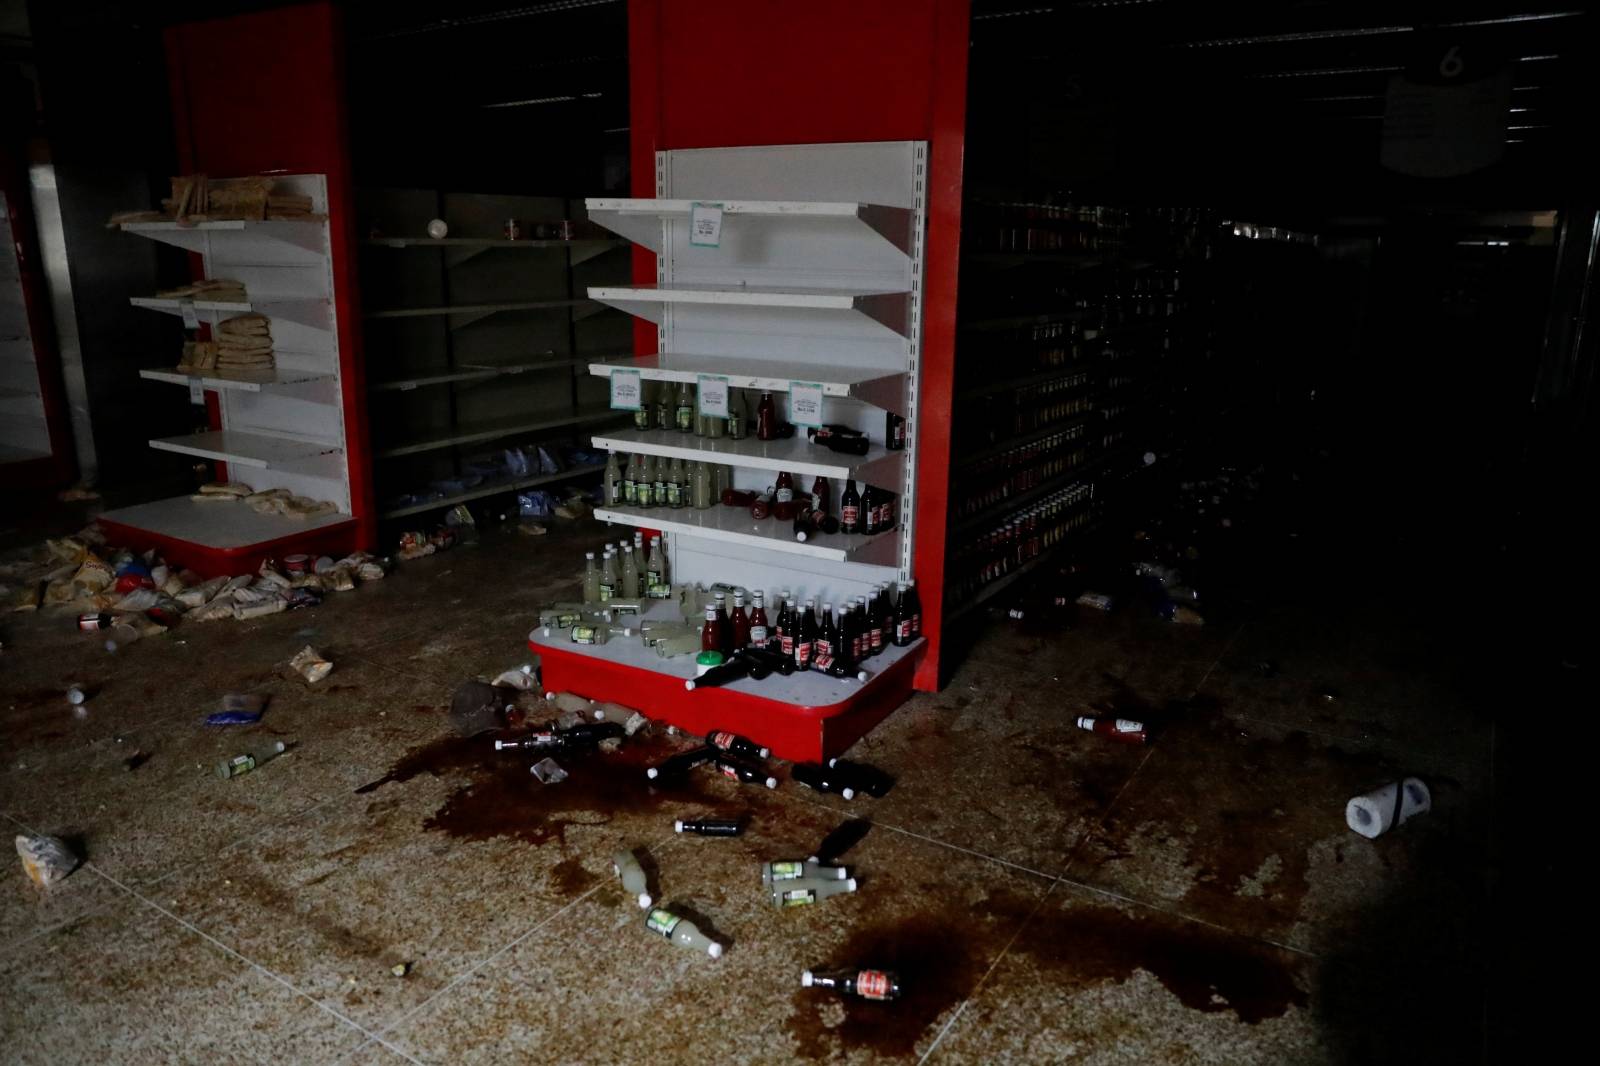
[[1045, 895]]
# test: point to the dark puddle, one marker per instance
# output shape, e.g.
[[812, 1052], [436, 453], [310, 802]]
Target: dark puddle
[[941, 956], [502, 799]]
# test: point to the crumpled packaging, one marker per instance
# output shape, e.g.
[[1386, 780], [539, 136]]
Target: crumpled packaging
[[310, 664], [45, 859]]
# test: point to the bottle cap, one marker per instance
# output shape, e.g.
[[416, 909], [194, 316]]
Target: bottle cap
[[766, 753], [715, 951], [805, 978], [850, 884], [644, 900], [772, 782], [677, 827], [652, 773], [848, 793], [709, 658]]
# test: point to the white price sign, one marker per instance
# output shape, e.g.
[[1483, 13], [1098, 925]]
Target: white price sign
[[626, 390], [191, 320], [713, 394], [705, 225], [197, 392], [805, 403]]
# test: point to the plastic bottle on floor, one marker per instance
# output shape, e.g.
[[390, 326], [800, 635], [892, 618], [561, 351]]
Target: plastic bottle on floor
[[681, 931], [808, 892], [626, 866]]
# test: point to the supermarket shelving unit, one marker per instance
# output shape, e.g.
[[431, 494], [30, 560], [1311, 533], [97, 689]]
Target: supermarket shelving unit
[[816, 279], [282, 428], [479, 346]]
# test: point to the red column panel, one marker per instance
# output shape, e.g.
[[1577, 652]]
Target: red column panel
[[724, 73]]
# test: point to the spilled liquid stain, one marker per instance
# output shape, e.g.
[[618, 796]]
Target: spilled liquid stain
[[502, 799], [940, 955], [937, 959], [570, 880]]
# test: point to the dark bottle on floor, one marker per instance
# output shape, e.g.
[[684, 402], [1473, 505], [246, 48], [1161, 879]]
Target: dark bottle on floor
[[868, 984], [709, 827], [681, 763], [547, 740], [864, 778], [734, 744], [821, 778], [1123, 730], [739, 771]]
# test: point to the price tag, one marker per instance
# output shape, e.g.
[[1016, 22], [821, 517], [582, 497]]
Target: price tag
[[805, 403], [197, 392], [705, 225], [713, 394], [190, 319], [626, 390]]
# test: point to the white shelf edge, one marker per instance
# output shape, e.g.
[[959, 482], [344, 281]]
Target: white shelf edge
[[893, 224], [878, 550], [248, 448], [888, 309], [880, 388], [241, 382], [879, 466]]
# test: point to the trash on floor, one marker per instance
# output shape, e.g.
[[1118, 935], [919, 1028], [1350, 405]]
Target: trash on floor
[[681, 931], [863, 778], [1382, 809], [548, 771], [1124, 730], [708, 827], [822, 779], [1097, 600], [868, 984], [239, 708], [310, 664], [809, 891], [625, 864], [246, 761], [45, 859]]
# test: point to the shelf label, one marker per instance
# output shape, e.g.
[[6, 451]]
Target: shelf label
[[705, 225], [626, 390], [191, 320], [713, 394], [805, 403], [197, 392]]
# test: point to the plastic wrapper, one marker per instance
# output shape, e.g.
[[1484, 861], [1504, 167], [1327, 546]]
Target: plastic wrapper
[[139, 600], [94, 575], [520, 679], [548, 771], [310, 664], [45, 859], [201, 594]]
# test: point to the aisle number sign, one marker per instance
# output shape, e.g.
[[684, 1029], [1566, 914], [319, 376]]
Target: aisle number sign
[[713, 394], [805, 403], [705, 225], [626, 390]]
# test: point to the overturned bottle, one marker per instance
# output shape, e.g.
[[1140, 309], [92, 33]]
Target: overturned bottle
[[864, 778], [808, 892], [681, 931], [709, 827], [868, 984], [1124, 730], [780, 870], [734, 744], [822, 779], [625, 864], [750, 775], [680, 764], [243, 764]]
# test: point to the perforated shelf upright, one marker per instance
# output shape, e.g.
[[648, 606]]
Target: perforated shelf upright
[[815, 279]]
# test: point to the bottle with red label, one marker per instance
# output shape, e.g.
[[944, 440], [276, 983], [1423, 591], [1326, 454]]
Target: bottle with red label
[[868, 984], [913, 609], [90, 622], [740, 621], [1124, 730], [711, 632], [734, 744], [827, 644], [861, 645], [783, 497], [766, 418], [761, 506], [868, 515], [877, 622], [760, 632], [821, 498], [850, 509], [902, 617], [725, 625], [788, 626], [805, 641], [894, 431]]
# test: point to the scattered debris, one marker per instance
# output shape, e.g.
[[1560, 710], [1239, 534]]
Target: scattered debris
[[310, 664], [1382, 809], [45, 859], [1097, 600], [250, 760], [548, 771], [1125, 730], [400, 969]]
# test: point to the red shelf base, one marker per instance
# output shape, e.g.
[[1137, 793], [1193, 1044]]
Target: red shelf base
[[210, 561], [793, 732]]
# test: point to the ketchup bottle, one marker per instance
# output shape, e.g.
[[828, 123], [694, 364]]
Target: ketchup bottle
[[761, 507], [783, 497], [711, 632], [821, 501], [741, 623], [759, 630]]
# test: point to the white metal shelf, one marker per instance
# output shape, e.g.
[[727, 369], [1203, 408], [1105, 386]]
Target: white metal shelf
[[872, 385], [640, 220], [798, 455], [480, 372], [312, 313], [489, 242], [490, 488], [487, 431], [216, 523], [245, 237], [735, 526], [887, 308], [475, 310], [248, 448], [239, 380]]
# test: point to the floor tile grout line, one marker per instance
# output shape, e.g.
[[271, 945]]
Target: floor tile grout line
[[220, 946], [665, 844], [1185, 916]]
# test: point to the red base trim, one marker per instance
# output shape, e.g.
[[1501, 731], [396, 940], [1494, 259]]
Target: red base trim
[[207, 561], [796, 733]]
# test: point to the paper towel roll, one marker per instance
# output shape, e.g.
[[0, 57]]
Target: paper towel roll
[[1374, 814]]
